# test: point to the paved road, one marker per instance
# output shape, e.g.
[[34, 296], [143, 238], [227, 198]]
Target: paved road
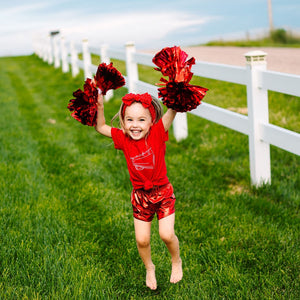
[[285, 60]]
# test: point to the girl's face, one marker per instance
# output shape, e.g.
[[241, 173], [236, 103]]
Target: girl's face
[[137, 121]]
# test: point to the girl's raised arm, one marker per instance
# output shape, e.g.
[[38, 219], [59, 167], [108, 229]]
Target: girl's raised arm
[[168, 118], [101, 126]]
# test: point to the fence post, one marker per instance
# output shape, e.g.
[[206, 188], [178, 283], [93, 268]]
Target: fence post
[[103, 54], [258, 113], [64, 55], [56, 52], [87, 61], [131, 67], [104, 58], [74, 60], [180, 126]]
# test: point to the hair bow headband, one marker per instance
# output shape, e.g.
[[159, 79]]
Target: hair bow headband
[[144, 99]]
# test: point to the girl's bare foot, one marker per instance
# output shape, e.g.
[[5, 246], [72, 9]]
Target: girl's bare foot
[[150, 278], [176, 274]]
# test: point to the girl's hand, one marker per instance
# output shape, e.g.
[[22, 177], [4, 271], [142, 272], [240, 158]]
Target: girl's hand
[[100, 99], [168, 118], [101, 127]]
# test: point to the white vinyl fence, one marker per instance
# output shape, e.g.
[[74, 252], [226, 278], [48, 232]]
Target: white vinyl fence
[[254, 76]]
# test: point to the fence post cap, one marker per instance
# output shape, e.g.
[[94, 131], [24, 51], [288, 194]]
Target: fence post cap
[[129, 44], [255, 57]]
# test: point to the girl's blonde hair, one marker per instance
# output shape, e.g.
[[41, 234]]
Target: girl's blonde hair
[[157, 107]]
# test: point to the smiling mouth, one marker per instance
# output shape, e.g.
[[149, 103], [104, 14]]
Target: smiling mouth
[[135, 132]]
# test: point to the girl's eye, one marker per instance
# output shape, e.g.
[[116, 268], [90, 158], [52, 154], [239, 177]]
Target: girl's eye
[[142, 120]]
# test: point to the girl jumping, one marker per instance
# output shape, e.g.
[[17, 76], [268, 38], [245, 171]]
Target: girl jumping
[[142, 137]]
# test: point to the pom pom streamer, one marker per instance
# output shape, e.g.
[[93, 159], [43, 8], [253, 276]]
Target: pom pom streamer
[[181, 96], [108, 77], [177, 93], [84, 105], [172, 62]]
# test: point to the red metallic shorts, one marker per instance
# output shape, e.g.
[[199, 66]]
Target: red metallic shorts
[[159, 200]]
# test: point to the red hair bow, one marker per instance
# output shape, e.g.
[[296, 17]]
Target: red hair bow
[[145, 99]]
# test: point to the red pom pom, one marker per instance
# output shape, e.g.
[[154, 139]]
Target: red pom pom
[[172, 62], [181, 96], [177, 93], [84, 106], [108, 77]]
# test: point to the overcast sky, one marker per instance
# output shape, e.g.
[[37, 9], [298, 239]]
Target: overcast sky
[[150, 24]]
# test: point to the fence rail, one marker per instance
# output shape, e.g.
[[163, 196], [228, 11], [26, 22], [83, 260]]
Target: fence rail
[[257, 79]]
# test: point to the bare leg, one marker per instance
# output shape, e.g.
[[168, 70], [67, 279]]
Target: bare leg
[[142, 235], [167, 234]]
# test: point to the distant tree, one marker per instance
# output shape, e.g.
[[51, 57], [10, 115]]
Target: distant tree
[[279, 36]]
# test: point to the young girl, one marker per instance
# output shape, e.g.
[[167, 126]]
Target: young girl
[[142, 137]]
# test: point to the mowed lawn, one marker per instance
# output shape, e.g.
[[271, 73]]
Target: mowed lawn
[[65, 214]]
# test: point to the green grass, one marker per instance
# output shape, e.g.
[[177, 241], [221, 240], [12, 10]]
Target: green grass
[[65, 214]]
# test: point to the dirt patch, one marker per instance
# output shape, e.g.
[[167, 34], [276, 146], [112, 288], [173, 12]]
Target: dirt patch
[[235, 189], [240, 110]]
